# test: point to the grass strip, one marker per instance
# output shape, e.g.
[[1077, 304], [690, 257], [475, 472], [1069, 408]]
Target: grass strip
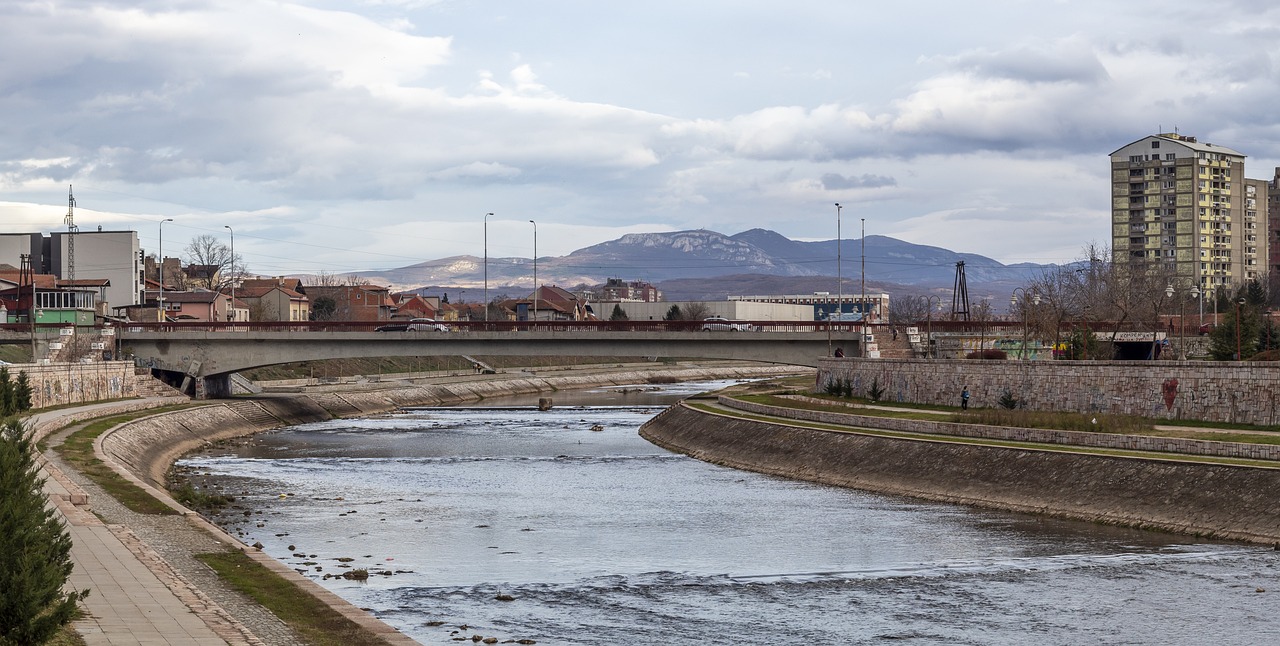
[[77, 450], [310, 617], [1051, 420], [837, 407], [977, 441]]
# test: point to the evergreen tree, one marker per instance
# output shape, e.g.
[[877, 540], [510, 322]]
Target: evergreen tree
[[8, 406], [22, 392], [1223, 340], [618, 313], [673, 314], [35, 548]]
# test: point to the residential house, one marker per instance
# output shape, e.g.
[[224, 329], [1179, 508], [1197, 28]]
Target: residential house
[[412, 306], [275, 299], [195, 305], [355, 302], [551, 304]]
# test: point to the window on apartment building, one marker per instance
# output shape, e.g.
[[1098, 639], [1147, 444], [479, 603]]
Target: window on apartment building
[[1136, 172], [1135, 158], [1155, 143]]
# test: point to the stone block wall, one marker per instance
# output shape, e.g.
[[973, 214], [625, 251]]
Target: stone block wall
[[1246, 393], [60, 384]]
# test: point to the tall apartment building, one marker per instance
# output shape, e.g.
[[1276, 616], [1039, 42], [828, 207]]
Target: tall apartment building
[[1273, 224], [1182, 206]]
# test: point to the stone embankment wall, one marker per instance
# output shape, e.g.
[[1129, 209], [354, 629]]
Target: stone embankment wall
[[147, 447], [1152, 443], [1210, 500], [1246, 393], [61, 384]]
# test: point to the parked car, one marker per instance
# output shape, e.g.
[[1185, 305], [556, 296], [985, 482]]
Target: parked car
[[427, 325], [392, 327], [721, 324]]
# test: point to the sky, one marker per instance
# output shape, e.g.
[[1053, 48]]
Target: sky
[[351, 136]]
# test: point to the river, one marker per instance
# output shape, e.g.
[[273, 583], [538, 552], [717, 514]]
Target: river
[[566, 527]]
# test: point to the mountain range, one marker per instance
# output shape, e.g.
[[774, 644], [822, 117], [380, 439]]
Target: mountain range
[[701, 264]]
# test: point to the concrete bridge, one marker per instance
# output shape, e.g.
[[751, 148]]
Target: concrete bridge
[[201, 360]]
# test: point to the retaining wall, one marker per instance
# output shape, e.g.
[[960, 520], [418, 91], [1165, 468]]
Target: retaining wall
[[1240, 392], [1209, 500], [60, 384], [1180, 445]]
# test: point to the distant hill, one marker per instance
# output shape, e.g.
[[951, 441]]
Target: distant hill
[[758, 261]]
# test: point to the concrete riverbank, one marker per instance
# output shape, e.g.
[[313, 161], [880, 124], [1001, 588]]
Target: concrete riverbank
[[1199, 499]]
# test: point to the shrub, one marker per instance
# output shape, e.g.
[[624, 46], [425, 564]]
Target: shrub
[[1008, 401], [987, 353], [35, 548], [876, 391]]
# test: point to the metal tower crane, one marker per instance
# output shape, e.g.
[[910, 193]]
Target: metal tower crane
[[72, 229], [960, 295]]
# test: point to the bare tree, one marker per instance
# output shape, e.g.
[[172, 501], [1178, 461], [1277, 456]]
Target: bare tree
[[324, 279], [208, 252], [908, 309], [695, 311]]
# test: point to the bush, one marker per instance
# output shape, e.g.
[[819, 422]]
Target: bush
[[1008, 401], [876, 391], [987, 353], [35, 548]]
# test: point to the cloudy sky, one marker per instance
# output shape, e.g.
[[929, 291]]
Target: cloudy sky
[[355, 135]]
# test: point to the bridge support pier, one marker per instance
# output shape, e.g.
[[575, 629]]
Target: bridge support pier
[[213, 387]]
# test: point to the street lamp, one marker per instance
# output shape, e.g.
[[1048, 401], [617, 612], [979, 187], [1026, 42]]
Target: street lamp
[[929, 350], [1195, 293], [160, 253], [839, 274], [535, 269], [231, 311], [1026, 314], [862, 345], [1239, 303], [486, 266]]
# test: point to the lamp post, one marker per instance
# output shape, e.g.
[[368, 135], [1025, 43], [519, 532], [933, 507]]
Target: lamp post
[[929, 350], [535, 269], [231, 311], [1239, 303], [1026, 313], [486, 266], [160, 255], [839, 274], [1195, 293], [1085, 345], [862, 343]]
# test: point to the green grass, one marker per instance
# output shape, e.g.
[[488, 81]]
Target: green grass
[[953, 439], [1061, 421], [311, 618], [838, 407], [77, 450]]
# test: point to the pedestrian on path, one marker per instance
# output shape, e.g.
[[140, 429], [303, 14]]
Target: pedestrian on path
[[964, 398]]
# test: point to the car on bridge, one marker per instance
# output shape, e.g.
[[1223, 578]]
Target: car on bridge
[[414, 325], [720, 323]]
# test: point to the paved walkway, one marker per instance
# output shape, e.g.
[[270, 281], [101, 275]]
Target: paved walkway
[[134, 598]]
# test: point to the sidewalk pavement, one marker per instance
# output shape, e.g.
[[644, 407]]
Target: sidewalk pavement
[[134, 597]]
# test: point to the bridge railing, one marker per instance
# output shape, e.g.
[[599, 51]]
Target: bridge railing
[[398, 326]]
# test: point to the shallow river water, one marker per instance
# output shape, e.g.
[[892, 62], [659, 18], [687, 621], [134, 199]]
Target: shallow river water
[[591, 535]]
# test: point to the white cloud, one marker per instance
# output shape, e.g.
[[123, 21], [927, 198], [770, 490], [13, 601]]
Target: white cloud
[[983, 131]]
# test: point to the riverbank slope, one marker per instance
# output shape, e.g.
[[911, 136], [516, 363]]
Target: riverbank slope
[[1213, 500]]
